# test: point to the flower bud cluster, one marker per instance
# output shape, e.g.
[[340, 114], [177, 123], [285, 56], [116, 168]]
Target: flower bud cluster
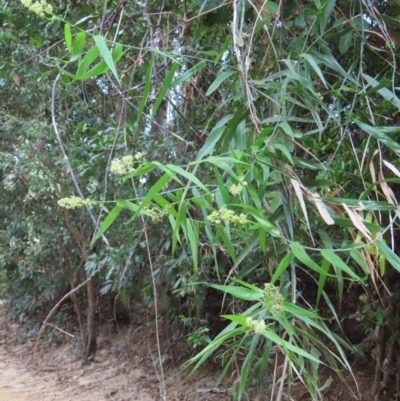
[[236, 189], [123, 166], [39, 7], [227, 215], [156, 214], [73, 202], [255, 325], [272, 292]]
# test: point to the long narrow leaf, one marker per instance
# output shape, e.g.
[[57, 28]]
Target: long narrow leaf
[[106, 54]]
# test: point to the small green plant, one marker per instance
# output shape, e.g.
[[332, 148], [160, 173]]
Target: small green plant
[[199, 337]]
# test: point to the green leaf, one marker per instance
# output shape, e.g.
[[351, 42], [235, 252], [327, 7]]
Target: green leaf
[[102, 66], [390, 256], [322, 279], [384, 92], [377, 133], [79, 45], [315, 66], [301, 255], [131, 206], [84, 64], [147, 89], [283, 265], [107, 222], [240, 292], [193, 232], [336, 261], [188, 74], [218, 81], [189, 176], [273, 7], [106, 54], [345, 42], [359, 258], [330, 61], [287, 346], [68, 37], [154, 190], [166, 86], [213, 138]]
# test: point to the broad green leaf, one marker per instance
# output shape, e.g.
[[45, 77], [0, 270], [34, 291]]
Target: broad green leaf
[[330, 61], [188, 74], [218, 81], [221, 186], [315, 66], [390, 256], [146, 91], [223, 232], [154, 190], [301, 255], [240, 292], [193, 231], [101, 67], [241, 113], [131, 206], [114, 213], [191, 177], [283, 265], [322, 279], [288, 346], [377, 133], [360, 260], [85, 63], [384, 92], [79, 45], [273, 7], [68, 37], [213, 138], [336, 261], [369, 205], [106, 54], [263, 222], [164, 89], [345, 42]]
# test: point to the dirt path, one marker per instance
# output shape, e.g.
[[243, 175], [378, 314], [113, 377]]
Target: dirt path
[[123, 371]]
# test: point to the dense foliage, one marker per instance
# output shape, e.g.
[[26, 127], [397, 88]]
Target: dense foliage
[[208, 156]]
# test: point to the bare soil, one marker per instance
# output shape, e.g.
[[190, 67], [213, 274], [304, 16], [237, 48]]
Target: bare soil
[[124, 370]]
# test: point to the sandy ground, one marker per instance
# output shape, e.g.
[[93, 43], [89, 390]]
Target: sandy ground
[[124, 371]]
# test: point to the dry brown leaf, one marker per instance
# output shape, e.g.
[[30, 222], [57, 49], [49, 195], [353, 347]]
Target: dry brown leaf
[[387, 191], [391, 167], [372, 168], [336, 209], [371, 268], [336, 191], [322, 209], [16, 79], [357, 221], [299, 194]]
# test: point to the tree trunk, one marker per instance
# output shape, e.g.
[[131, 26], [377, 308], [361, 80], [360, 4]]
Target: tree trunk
[[91, 337]]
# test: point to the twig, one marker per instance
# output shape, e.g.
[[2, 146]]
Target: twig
[[60, 330]]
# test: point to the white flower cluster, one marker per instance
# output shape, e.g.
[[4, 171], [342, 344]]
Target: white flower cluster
[[73, 202], [124, 165], [156, 213], [255, 325], [236, 189], [230, 216], [272, 292], [39, 7]]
